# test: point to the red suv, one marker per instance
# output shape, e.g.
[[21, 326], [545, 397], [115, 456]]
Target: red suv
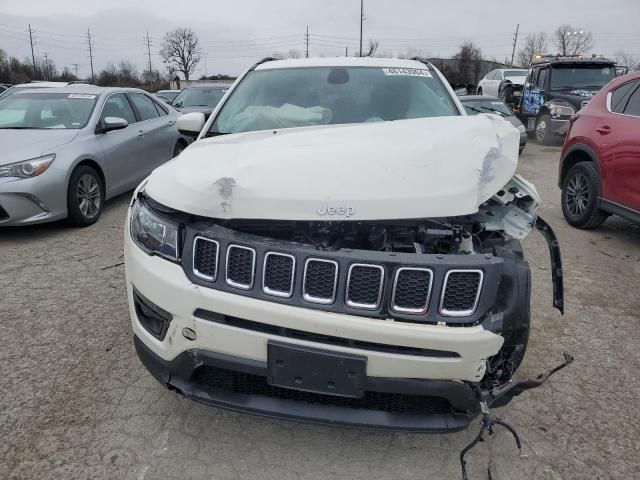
[[600, 163]]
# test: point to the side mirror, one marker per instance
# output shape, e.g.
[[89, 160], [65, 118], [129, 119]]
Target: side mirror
[[191, 123], [621, 70], [113, 123]]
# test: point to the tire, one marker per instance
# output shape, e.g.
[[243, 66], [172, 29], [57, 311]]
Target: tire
[[480, 91], [580, 192], [85, 197], [178, 148], [543, 132], [521, 149]]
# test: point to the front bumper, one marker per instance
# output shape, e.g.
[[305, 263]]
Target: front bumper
[[33, 200], [559, 126], [175, 360], [239, 384]]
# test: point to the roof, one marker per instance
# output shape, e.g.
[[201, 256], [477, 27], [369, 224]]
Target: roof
[[341, 62], [206, 85], [80, 88], [570, 60]]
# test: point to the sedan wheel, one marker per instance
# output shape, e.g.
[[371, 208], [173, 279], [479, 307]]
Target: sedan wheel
[[85, 196]]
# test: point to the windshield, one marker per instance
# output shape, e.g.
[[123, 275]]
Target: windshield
[[199, 97], [581, 76], [298, 97], [46, 110], [515, 73], [474, 107]]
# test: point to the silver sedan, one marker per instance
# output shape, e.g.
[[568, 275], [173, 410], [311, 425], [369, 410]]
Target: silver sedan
[[67, 150]]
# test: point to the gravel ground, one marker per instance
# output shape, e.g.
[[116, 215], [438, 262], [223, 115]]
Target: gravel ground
[[77, 403]]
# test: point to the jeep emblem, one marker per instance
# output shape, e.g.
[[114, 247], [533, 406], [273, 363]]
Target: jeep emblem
[[343, 211]]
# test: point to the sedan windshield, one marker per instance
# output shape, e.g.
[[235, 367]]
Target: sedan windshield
[[298, 97], [581, 76], [46, 110], [199, 97], [515, 73]]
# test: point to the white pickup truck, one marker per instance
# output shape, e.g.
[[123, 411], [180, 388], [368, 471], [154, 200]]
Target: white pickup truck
[[340, 245]]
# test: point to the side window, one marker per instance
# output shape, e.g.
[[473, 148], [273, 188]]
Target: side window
[[620, 96], [542, 78], [161, 110], [499, 75], [144, 105], [493, 75], [633, 105], [533, 76], [117, 105]]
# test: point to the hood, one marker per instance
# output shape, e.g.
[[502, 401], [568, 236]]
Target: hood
[[573, 97], [432, 167], [20, 145]]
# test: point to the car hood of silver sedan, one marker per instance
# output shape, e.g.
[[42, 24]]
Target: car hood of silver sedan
[[430, 167], [20, 145]]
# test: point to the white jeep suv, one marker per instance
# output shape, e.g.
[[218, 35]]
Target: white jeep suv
[[340, 245]]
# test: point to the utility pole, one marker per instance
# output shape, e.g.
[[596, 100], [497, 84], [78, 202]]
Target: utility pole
[[33, 56], [346, 51], [75, 67], [361, 20], [515, 41], [45, 74], [306, 39], [93, 77], [149, 54], [206, 74]]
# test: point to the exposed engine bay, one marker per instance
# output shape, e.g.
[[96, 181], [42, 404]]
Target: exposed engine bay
[[509, 214]]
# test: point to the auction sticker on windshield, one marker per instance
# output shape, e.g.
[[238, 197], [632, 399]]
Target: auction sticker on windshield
[[410, 72]]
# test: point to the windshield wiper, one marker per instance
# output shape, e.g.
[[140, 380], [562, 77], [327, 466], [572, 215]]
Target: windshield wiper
[[493, 110], [215, 134], [16, 128]]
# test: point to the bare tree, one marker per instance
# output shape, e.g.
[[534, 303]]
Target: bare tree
[[373, 46], [180, 51], [572, 41], [127, 74], [626, 59], [468, 61], [534, 44], [294, 53]]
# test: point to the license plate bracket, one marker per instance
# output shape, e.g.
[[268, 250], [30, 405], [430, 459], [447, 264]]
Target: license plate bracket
[[317, 371]]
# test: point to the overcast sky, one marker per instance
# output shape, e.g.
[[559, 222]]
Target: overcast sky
[[235, 33]]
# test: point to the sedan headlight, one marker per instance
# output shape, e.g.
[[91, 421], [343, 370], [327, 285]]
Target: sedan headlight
[[154, 234], [561, 110], [27, 168]]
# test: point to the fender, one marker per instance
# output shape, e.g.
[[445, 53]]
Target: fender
[[577, 147]]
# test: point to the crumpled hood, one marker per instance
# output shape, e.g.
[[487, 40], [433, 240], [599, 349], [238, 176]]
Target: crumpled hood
[[518, 80], [20, 145], [431, 167]]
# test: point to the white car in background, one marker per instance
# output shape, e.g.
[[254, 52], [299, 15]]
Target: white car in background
[[494, 82]]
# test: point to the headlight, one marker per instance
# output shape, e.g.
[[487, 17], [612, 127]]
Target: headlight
[[153, 233], [558, 110], [27, 168], [521, 129]]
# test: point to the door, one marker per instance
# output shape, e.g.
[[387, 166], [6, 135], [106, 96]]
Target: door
[[123, 149], [158, 132], [533, 94], [618, 143], [495, 83]]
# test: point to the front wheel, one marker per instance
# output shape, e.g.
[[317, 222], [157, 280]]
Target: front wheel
[[580, 191], [480, 91], [544, 135], [85, 197]]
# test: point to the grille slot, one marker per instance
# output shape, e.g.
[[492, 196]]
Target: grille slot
[[412, 290], [583, 104], [364, 286], [205, 258], [320, 280], [248, 384], [241, 266], [278, 273], [461, 292]]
